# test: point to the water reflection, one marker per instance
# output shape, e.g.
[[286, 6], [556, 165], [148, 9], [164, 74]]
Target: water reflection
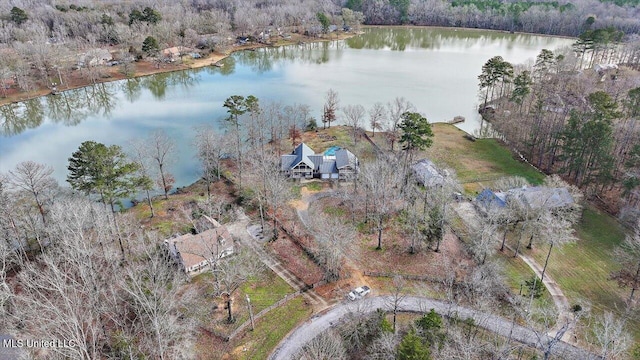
[[436, 69], [131, 89], [265, 59], [399, 39], [74, 106], [18, 117]]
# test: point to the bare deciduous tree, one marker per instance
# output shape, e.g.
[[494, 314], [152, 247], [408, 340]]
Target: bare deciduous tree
[[397, 296], [36, 180], [211, 148], [383, 347], [138, 155], [377, 117], [354, 114], [161, 148], [333, 238], [231, 273], [610, 335], [483, 241], [331, 106], [381, 182], [152, 288], [395, 109], [628, 255], [324, 346]]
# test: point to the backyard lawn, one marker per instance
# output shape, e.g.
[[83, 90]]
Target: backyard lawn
[[271, 329], [477, 163], [581, 269]]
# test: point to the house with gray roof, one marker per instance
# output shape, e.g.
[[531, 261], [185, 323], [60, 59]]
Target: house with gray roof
[[428, 174], [540, 197], [532, 197], [304, 163]]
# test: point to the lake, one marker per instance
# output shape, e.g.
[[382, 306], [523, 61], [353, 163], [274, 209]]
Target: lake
[[436, 69]]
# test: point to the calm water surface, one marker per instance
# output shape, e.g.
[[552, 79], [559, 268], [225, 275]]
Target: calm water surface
[[436, 69]]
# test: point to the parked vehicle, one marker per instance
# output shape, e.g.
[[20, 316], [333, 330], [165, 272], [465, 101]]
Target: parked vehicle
[[358, 293]]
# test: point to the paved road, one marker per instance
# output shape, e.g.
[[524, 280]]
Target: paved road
[[320, 323]]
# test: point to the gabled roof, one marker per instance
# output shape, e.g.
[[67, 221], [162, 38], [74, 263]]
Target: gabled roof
[[538, 197], [286, 161], [302, 153], [316, 160], [344, 158], [427, 173], [488, 198], [328, 167], [194, 249]]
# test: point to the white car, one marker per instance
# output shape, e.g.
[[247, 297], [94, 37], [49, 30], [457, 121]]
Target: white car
[[358, 293]]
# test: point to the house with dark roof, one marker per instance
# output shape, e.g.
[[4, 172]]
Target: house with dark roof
[[487, 199], [304, 163], [195, 252]]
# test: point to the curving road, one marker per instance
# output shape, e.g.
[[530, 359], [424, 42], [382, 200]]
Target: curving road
[[320, 323]]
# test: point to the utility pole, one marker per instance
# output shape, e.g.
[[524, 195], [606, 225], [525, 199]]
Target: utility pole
[[250, 312]]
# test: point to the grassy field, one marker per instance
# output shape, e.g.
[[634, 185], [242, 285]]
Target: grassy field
[[590, 258], [266, 291], [272, 328], [479, 162], [582, 269]]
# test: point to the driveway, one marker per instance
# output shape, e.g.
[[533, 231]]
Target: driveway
[[470, 216], [321, 323]]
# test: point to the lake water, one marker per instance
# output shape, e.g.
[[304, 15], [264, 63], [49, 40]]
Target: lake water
[[435, 69]]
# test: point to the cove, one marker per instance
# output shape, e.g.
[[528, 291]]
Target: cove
[[436, 69]]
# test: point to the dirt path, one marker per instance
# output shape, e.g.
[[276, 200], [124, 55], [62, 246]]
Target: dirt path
[[468, 214], [251, 237]]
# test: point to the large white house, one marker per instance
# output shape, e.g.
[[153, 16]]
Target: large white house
[[304, 163]]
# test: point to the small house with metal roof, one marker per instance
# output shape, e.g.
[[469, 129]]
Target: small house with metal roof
[[428, 174]]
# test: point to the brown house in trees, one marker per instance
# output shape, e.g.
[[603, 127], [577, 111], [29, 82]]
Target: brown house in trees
[[196, 252]]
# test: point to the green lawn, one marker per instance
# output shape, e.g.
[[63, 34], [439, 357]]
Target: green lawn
[[516, 273], [492, 151], [582, 269], [477, 163], [272, 328], [265, 292]]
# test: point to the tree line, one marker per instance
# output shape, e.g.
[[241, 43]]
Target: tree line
[[43, 42], [576, 112]]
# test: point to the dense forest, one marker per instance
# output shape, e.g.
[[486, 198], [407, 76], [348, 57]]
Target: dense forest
[[575, 114]]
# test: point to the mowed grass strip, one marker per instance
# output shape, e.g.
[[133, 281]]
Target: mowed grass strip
[[582, 269], [477, 163], [272, 328], [266, 291]]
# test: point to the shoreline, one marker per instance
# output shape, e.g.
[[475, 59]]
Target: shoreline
[[146, 68]]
